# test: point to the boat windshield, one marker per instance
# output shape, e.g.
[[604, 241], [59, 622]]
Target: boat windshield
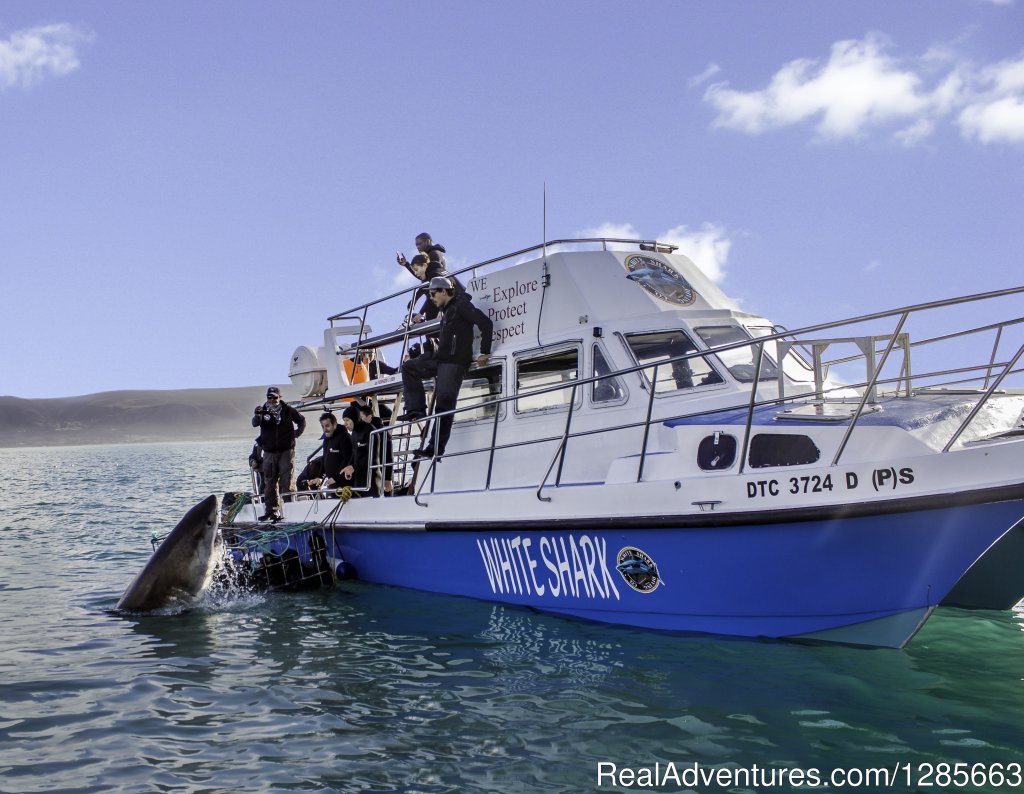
[[610, 389], [660, 346], [740, 360]]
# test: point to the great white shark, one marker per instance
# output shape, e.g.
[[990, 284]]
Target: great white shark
[[182, 564]]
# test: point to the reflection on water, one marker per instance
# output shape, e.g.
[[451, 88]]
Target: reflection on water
[[363, 688]]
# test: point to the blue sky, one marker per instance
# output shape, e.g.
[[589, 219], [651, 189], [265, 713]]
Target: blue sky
[[188, 189]]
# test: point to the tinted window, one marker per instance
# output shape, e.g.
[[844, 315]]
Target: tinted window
[[609, 389], [659, 347], [742, 360], [550, 369], [781, 450]]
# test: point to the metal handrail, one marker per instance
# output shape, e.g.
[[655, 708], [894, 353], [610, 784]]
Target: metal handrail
[[494, 447], [498, 401], [667, 247], [647, 423], [988, 393], [750, 407], [869, 390]]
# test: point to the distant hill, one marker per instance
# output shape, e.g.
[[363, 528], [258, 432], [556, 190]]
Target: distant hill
[[130, 416]]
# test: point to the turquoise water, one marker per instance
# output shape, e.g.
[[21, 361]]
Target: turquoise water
[[363, 688]]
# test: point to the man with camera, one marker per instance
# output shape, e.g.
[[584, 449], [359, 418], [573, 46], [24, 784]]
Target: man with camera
[[279, 425]]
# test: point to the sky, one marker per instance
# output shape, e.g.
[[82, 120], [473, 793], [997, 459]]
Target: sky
[[189, 189]]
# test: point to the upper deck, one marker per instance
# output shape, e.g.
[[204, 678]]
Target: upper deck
[[604, 354], [534, 297]]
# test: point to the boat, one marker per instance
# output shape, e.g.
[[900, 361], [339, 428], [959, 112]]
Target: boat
[[640, 450]]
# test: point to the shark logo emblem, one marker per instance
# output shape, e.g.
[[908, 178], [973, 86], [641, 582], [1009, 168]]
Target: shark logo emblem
[[660, 279], [638, 569]]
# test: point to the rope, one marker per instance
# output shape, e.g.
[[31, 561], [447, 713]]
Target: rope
[[236, 507], [263, 539]]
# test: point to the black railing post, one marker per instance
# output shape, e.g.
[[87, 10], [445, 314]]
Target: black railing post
[[647, 424], [494, 441], [565, 436], [750, 406]]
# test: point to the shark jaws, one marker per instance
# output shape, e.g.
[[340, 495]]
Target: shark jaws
[[181, 567]]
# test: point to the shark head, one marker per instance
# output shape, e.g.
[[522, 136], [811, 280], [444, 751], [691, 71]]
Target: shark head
[[180, 568]]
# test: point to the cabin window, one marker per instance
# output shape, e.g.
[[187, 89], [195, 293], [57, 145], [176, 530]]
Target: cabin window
[[608, 390], [717, 451], [481, 387], [655, 348], [544, 371], [793, 364], [781, 449], [741, 361]]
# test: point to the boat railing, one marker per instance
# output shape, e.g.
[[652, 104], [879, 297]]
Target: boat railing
[[407, 329], [903, 385], [812, 339], [603, 242]]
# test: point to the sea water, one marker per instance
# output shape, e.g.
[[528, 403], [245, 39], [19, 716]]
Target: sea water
[[366, 688]]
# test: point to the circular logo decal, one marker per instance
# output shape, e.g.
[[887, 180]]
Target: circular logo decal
[[660, 279], [638, 569]]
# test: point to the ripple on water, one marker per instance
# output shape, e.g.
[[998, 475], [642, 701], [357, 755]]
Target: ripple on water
[[362, 688]]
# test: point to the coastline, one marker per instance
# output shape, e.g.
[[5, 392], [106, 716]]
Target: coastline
[[129, 417]]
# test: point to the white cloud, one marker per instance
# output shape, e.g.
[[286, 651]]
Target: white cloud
[[31, 55], [860, 86], [391, 280], [863, 88], [707, 246], [1001, 120], [916, 132], [613, 230], [996, 112], [703, 77]]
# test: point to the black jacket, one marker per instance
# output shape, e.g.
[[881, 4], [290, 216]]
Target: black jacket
[[435, 253], [360, 452], [455, 338], [279, 436], [337, 454], [389, 458], [428, 308], [366, 447]]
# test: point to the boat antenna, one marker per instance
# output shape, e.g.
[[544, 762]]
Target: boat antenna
[[545, 278], [544, 206]]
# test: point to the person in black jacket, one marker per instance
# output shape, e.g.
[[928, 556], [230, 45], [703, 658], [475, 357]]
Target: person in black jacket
[[434, 253], [426, 270], [279, 425], [366, 453], [381, 445], [448, 363], [337, 453]]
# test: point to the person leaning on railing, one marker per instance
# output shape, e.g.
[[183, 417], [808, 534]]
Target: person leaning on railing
[[337, 454]]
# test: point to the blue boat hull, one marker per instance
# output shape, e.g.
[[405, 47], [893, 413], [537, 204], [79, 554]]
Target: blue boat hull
[[866, 580]]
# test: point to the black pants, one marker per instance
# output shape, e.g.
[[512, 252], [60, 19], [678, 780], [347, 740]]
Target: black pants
[[447, 382], [278, 471]]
